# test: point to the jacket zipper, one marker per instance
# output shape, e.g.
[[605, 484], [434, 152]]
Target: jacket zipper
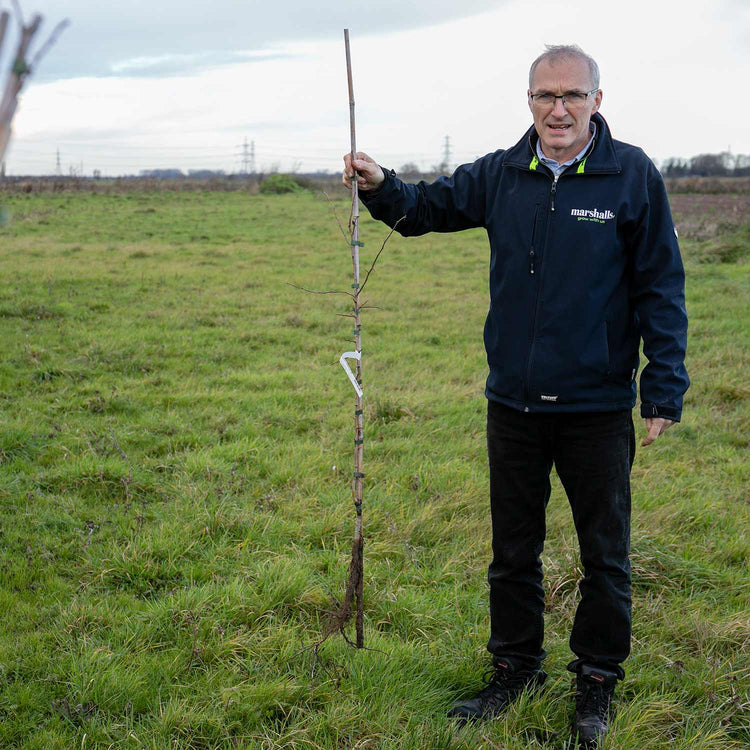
[[553, 192], [532, 270], [532, 337], [532, 254]]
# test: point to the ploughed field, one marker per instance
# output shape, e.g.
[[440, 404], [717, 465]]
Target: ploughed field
[[175, 459], [702, 216]]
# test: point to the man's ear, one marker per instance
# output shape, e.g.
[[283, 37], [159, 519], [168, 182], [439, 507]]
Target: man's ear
[[597, 101]]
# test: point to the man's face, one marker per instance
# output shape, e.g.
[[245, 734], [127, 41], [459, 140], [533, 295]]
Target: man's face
[[563, 129]]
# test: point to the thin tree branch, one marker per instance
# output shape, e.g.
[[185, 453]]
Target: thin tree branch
[[51, 41], [315, 291], [385, 241], [336, 216], [4, 16], [17, 12]]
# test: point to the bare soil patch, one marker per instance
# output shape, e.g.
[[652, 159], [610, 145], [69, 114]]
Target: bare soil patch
[[702, 216]]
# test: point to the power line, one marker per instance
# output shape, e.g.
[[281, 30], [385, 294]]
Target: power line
[[445, 164], [245, 168], [127, 157], [248, 158]]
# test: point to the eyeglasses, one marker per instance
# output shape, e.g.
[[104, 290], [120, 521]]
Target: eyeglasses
[[570, 99]]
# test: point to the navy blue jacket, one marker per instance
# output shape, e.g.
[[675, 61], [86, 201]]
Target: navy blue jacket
[[580, 271]]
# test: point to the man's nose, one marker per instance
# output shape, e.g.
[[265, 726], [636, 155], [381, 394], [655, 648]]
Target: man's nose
[[559, 109]]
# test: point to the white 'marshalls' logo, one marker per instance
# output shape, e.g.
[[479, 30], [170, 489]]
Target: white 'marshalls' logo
[[592, 214]]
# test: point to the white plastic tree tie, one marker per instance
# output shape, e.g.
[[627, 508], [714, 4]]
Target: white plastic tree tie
[[350, 374]]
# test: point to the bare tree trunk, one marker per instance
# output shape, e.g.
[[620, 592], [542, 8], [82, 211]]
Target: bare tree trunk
[[21, 68]]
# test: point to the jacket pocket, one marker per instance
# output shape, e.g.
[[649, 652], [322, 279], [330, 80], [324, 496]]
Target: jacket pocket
[[610, 347], [622, 352], [592, 361]]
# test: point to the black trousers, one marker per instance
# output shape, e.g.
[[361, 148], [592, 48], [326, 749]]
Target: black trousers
[[593, 453]]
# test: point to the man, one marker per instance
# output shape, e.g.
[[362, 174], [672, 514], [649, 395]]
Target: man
[[584, 264]]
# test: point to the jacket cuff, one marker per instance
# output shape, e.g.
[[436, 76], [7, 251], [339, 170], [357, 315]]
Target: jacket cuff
[[656, 410], [365, 195]]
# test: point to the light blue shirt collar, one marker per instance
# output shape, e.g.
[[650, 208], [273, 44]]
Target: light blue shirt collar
[[557, 168]]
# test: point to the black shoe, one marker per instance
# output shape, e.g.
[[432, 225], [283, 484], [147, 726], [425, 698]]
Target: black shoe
[[594, 693], [503, 687]]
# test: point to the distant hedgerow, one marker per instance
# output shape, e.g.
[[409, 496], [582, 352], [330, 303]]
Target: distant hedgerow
[[280, 183]]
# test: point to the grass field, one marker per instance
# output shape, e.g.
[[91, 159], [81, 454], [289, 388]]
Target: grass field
[[175, 462]]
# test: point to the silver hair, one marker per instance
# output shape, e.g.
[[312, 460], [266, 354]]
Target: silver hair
[[556, 52]]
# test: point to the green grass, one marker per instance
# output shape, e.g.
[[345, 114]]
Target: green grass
[[175, 459]]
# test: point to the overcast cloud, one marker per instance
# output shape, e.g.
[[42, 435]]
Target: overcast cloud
[[169, 37], [157, 84]]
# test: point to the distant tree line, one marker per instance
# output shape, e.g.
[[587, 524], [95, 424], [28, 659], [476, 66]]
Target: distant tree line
[[724, 164], [176, 174]]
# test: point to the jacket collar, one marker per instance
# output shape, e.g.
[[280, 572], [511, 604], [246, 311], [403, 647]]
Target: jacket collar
[[601, 160]]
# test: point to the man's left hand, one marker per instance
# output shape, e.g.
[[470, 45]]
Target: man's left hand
[[655, 426]]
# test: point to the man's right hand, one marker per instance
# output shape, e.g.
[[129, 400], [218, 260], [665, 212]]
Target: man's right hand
[[369, 174]]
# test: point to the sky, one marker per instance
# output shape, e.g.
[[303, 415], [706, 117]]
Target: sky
[[167, 84]]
